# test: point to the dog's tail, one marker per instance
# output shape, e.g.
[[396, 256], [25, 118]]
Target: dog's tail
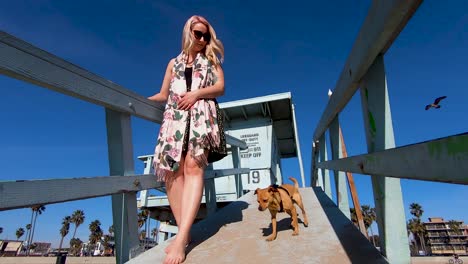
[[296, 185]]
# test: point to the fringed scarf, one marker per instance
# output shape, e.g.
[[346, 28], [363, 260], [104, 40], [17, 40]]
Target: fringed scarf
[[204, 131]]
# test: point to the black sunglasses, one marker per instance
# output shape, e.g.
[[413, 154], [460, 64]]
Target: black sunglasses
[[198, 35]]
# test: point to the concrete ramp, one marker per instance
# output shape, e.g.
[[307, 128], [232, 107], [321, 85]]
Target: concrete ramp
[[236, 234]]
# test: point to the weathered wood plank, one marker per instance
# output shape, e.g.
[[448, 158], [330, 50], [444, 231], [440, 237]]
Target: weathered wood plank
[[210, 196], [298, 145], [315, 181], [341, 189], [23, 61], [148, 161], [236, 161], [324, 173], [388, 198], [22, 194], [210, 174], [384, 22], [440, 160], [233, 141], [236, 234], [124, 205]]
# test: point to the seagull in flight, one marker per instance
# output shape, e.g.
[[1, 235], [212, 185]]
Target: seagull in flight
[[436, 103]]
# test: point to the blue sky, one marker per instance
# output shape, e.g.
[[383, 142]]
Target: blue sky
[[271, 47]]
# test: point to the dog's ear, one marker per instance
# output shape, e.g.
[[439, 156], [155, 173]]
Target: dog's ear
[[256, 191], [271, 189]]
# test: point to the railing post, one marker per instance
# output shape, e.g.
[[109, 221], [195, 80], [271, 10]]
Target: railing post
[[124, 206], [315, 180], [352, 189], [210, 193], [236, 160], [340, 177], [298, 146], [325, 173], [387, 191], [147, 170]]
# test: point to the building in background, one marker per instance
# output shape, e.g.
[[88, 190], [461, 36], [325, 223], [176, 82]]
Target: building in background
[[441, 239], [40, 248], [10, 248]]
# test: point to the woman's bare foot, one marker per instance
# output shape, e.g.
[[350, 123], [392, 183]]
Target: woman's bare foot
[[176, 252], [168, 248]]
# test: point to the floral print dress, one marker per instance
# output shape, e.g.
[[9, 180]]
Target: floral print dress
[[202, 122]]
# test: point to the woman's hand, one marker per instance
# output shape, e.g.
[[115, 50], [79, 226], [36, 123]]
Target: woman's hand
[[187, 100]]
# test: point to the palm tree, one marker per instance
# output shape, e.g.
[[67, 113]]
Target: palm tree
[[111, 230], [142, 220], [37, 210], [353, 216], [96, 232], [416, 227], [28, 231], [75, 246], [142, 217], [106, 243], [19, 233], [417, 211], [455, 226], [77, 218], [28, 238], [148, 224], [64, 230], [369, 216], [154, 233], [33, 246], [95, 227], [142, 234]]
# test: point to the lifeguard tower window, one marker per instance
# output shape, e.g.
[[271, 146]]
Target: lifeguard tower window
[[267, 125]]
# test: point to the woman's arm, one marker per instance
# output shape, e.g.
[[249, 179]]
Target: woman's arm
[[161, 97], [217, 89]]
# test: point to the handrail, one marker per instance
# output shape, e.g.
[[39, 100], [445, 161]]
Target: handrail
[[23, 61], [384, 22], [236, 142], [23, 194], [365, 69], [419, 161]]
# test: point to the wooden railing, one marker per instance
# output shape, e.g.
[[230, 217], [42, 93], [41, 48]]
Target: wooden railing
[[439, 160], [23, 61]]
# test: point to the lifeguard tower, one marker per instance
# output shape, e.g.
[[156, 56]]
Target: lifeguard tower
[[267, 124]]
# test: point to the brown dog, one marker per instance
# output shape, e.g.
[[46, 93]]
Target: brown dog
[[281, 199]]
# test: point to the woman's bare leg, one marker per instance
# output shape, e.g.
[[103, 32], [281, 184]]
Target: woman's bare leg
[[191, 198], [174, 190]]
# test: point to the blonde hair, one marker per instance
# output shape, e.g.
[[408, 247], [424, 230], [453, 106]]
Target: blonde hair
[[214, 49]]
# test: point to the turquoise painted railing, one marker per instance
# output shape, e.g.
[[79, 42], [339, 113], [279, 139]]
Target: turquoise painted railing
[[439, 160], [23, 61]]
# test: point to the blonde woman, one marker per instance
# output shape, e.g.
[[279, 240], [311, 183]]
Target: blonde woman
[[191, 134]]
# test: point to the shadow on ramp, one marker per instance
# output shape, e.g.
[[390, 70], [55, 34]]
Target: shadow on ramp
[[355, 244], [208, 227], [236, 234], [200, 232]]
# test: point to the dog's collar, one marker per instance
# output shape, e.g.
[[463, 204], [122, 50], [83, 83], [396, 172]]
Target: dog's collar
[[282, 188]]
